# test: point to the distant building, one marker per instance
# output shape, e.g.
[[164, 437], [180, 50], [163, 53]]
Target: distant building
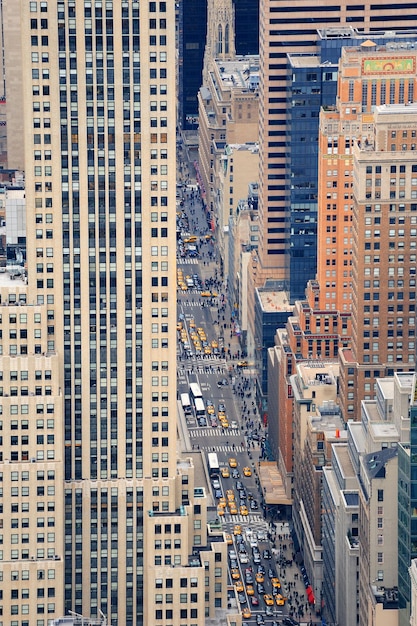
[[228, 114], [288, 28], [192, 25], [317, 425]]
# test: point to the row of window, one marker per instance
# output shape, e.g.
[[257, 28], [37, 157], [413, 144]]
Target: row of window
[[167, 544], [15, 609], [24, 538], [169, 614], [24, 507], [15, 594], [24, 491], [15, 349]]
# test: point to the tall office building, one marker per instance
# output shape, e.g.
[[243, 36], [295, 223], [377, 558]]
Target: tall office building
[[290, 28], [98, 514], [193, 17]]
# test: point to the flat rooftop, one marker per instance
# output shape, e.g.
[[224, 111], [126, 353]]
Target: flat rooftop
[[274, 301], [345, 464], [299, 60], [386, 431], [237, 73], [405, 380], [12, 278]]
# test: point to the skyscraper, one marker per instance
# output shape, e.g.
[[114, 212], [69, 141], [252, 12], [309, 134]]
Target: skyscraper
[[94, 487], [193, 32], [291, 28]]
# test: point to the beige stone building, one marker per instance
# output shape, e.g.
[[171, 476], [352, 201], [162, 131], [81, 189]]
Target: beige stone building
[[98, 511], [228, 114], [11, 108], [234, 171]]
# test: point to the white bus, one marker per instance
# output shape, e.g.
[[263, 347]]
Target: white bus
[[186, 404], [200, 409], [213, 464], [195, 391]]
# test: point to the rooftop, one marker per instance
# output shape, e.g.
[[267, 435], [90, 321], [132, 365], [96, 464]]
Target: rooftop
[[341, 453], [300, 60], [242, 72], [272, 301]]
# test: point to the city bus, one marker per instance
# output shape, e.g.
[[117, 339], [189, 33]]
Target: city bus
[[213, 464], [186, 404], [200, 409], [195, 391]]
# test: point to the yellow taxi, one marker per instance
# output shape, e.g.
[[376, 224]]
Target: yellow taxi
[[239, 586], [246, 614], [234, 573], [243, 509], [247, 471], [229, 539], [207, 350], [214, 294], [232, 462], [225, 424], [280, 600], [210, 409], [191, 239], [221, 415], [222, 503], [220, 510], [225, 472], [230, 494], [179, 325], [191, 323], [232, 508], [237, 530], [275, 582], [259, 577], [184, 287], [214, 344], [206, 294], [250, 590], [268, 599], [242, 364]]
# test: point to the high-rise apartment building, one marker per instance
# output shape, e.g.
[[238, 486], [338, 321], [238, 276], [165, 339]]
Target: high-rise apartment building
[[97, 512], [292, 28]]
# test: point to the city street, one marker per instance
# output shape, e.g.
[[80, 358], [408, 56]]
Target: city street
[[208, 354]]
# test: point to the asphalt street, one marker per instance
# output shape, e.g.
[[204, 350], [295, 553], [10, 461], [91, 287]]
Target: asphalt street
[[208, 353]]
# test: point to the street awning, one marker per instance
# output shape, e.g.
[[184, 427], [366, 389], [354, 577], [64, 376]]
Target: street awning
[[310, 595]]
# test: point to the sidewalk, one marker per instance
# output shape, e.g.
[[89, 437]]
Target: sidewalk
[[291, 578]]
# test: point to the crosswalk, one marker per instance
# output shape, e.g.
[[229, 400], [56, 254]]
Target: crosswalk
[[212, 432], [187, 261], [192, 303], [224, 448], [252, 519], [200, 369], [200, 359]]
